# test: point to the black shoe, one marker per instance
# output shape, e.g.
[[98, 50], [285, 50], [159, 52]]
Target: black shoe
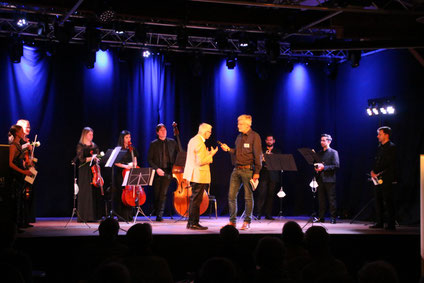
[[159, 218], [376, 226], [316, 220], [269, 218], [188, 226], [198, 227], [333, 220]]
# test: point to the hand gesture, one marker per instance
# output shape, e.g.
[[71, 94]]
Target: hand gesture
[[213, 151], [255, 177], [160, 172], [225, 147]]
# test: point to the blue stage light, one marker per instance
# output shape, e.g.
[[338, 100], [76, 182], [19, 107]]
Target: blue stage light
[[21, 22], [383, 110], [390, 110], [146, 53], [369, 111]]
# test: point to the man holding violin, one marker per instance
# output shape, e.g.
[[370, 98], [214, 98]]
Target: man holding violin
[[197, 172], [161, 156]]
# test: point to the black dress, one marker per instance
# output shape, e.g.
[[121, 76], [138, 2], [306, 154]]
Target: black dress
[[90, 204], [126, 212], [17, 184]]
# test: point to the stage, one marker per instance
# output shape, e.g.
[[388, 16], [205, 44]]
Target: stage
[[55, 227]]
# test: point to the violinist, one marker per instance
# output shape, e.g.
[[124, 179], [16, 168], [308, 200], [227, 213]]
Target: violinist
[[124, 141], [89, 197], [18, 173], [161, 156], [29, 202]]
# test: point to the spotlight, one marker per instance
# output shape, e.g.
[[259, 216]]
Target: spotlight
[[244, 44], [272, 47], [382, 106], [369, 111], [21, 22], [231, 62], [105, 11], [92, 37], [375, 111], [354, 58], [146, 54], [90, 60]]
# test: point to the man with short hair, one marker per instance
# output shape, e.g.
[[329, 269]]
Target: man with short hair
[[385, 169], [248, 164], [197, 172], [326, 170], [267, 182], [161, 157]]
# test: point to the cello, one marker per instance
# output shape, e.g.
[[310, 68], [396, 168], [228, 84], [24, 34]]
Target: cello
[[97, 180], [132, 195], [183, 192]]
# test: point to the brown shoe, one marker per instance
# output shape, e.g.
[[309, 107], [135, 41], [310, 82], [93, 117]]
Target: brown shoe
[[245, 226]]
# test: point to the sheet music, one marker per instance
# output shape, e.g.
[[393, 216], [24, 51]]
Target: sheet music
[[113, 156], [125, 182]]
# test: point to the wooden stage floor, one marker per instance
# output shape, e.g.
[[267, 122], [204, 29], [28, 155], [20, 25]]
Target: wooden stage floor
[[55, 227]]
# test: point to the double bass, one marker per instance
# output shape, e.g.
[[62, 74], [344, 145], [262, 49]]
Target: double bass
[[183, 192], [132, 195]]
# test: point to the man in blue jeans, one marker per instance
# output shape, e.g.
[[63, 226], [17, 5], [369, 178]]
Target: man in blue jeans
[[248, 163]]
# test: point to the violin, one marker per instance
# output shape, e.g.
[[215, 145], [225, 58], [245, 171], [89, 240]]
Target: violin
[[97, 180], [132, 195], [29, 161], [183, 192]]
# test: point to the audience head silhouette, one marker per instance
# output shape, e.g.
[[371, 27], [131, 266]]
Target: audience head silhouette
[[377, 272], [292, 234], [108, 229]]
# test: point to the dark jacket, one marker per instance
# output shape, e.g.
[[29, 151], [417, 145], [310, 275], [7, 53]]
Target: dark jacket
[[385, 161], [155, 156], [330, 159]]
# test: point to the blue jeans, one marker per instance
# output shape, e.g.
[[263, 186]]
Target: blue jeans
[[238, 177]]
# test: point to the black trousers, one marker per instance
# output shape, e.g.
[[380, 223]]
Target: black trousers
[[266, 193], [160, 188], [327, 190], [195, 201], [384, 201]]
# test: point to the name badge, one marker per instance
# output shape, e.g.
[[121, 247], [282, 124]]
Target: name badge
[[246, 145]]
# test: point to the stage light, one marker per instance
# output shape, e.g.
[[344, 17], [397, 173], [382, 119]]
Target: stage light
[[244, 44], [382, 106], [231, 62], [354, 57], [146, 53], [21, 22], [90, 59], [105, 11], [375, 111]]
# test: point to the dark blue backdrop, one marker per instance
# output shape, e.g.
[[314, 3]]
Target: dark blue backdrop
[[60, 97]]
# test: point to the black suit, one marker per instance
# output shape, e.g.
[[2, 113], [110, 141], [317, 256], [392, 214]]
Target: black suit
[[162, 154], [327, 181], [268, 180], [385, 164]]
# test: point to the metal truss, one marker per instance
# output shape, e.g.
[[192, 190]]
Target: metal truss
[[38, 32]]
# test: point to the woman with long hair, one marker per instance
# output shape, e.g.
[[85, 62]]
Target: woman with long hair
[[126, 162], [18, 173], [89, 197]]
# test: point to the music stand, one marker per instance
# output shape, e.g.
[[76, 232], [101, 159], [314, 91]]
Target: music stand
[[311, 158], [280, 162], [111, 157], [139, 177]]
